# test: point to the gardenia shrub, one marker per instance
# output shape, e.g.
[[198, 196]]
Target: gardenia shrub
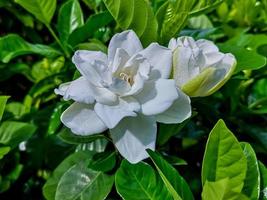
[[133, 99]]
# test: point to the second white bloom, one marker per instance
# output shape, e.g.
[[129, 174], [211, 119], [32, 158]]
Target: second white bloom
[[126, 91]]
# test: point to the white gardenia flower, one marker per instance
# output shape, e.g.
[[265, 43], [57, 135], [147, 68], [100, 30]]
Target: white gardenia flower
[[199, 69], [126, 91]]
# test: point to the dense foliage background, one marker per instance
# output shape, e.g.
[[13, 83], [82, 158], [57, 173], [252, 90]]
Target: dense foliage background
[[37, 40]]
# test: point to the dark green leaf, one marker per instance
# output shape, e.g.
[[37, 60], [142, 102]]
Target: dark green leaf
[[67, 136], [174, 182], [93, 23], [103, 161], [13, 45], [70, 18], [139, 181], [251, 186]]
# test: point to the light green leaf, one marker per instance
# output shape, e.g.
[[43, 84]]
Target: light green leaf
[[86, 31], [251, 186], [220, 190], [13, 45], [84, 183], [139, 181], [12, 133], [43, 10], [70, 18], [224, 158], [174, 182], [204, 6], [172, 17], [3, 100], [4, 151], [263, 172], [136, 15], [49, 189]]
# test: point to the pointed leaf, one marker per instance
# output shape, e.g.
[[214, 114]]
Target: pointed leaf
[[3, 100], [13, 45], [224, 158], [174, 182], [43, 10], [139, 181], [252, 182]]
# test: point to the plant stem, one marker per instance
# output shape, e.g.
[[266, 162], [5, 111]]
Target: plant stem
[[57, 40]]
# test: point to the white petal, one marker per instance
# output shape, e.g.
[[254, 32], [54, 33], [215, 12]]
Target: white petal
[[172, 44], [160, 59], [82, 120], [133, 135], [178, 112], [119, 86], [103, 95], [120, 58], [93, 66], [157, 96], [78, 90], [126, 40], [112, 115], [207, 46]]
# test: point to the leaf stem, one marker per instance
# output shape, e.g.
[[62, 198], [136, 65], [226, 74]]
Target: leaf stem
[[57, 40]]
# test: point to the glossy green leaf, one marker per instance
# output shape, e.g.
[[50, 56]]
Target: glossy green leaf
[[86, 31], [13, 45], [174, 182], [136, 15], [139, 181], [70, 18], [251, 186], [12, 133], [224, 158], [220, 190], [84, 183], [204, 6], [263, 188], [67, 136], [172, 17], [3, 100], [246, 59], [50, 187], [104, 161], [43, 10], [4, 151]]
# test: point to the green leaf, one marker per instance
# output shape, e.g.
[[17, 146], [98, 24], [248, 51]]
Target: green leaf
[[67, 136], [246, 59], [172, 17], [220, 190], [224, 158], [204, 6], [174, 182], [139, 181], [49, 189], [263, 188], [12, 133], [4, 151], [13, 45], [251, 186], [104, 161], [84, 183], [136, 15], [43, 10], [3, 100], [86, 31], [70, 18], [11, 69]]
